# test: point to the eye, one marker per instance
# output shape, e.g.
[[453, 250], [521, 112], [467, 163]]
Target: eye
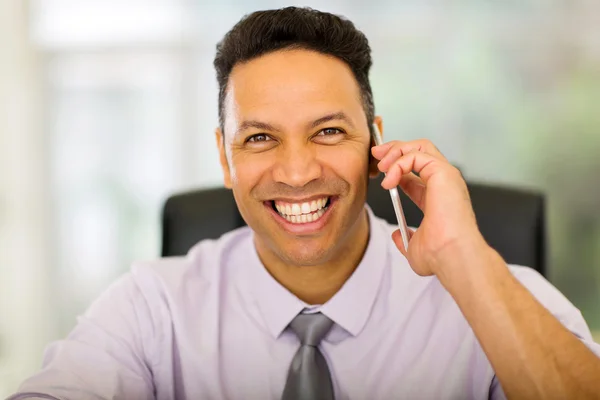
[[329, 132], [260, 137]]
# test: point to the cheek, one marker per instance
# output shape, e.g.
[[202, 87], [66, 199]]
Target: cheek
[[349, 163], [247, 170]]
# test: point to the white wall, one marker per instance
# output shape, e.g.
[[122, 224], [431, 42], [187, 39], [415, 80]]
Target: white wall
[[24, 300]]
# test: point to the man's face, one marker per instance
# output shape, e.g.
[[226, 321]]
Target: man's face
[[295, 151]]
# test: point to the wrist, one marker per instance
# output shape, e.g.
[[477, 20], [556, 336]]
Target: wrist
[[465, 261]]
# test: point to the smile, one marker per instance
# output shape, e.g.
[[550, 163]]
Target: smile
[[304, 212]]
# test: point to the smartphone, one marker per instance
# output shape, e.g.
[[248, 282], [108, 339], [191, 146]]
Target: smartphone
[[394, 195]]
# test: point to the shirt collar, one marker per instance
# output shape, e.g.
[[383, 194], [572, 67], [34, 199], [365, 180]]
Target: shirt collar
[[277, 305], [350, 307]]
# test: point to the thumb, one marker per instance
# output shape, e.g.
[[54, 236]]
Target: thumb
[[397, 238]]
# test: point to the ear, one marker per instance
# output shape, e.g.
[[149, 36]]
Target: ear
[[223, 158], [373, 170]]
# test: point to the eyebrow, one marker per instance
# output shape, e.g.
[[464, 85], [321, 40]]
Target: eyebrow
[[337, 116], [256, 124]]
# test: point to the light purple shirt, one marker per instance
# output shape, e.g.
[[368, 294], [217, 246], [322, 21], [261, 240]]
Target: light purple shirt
[[212, 325]]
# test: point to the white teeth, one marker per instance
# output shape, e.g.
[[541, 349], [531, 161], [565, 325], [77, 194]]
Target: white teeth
[[305, 207], [299, 213], [304, 218]]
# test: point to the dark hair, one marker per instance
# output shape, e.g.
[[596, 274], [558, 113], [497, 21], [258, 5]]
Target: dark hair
[[263, 32]]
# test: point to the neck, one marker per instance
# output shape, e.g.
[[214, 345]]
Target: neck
[[316, 284]]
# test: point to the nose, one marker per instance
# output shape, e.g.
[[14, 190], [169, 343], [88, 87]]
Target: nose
[[297, 165]]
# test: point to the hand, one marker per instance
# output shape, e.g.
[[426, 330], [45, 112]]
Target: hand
[[449, 224]]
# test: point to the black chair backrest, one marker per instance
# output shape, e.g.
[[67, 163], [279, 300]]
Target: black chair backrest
[[512, 221]]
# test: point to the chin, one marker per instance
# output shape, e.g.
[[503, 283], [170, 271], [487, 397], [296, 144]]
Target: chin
[[305, 256]]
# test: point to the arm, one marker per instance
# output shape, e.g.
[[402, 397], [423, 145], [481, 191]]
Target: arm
[[533, 354], [103, 357]]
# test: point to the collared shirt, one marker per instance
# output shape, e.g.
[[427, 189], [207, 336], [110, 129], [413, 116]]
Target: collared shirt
[[213, 325]]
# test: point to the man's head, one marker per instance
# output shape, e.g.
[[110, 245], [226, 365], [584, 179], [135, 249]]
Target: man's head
[[295, 111]]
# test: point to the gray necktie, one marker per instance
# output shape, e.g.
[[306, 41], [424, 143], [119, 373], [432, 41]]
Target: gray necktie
[[309, 378]]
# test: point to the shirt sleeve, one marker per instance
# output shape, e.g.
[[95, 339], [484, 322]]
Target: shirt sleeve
[[104, 357], [558, 305]]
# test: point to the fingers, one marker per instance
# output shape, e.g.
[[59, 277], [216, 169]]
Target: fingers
[[379, 151], [391, 151], [424, 164], [398, 160], [414, 187], [397, 238]]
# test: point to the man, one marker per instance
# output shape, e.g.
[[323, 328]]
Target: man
[[314, 300]]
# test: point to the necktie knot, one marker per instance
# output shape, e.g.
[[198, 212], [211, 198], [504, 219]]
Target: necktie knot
[[311, 328]]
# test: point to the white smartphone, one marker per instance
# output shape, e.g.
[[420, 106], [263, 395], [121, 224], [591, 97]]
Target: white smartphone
[[394, 195]]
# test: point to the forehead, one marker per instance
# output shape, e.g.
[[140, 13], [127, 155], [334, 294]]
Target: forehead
[[292, 86]]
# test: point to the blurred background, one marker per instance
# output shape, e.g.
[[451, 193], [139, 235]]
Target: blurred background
[[109, 106]]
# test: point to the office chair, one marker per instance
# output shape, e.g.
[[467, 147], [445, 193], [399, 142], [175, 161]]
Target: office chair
[[512, 221]]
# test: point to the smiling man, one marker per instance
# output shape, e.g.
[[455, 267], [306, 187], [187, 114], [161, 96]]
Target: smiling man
[[317, 298], [295, 151]]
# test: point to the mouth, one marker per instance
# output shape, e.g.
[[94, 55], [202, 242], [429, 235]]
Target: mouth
[[302, 212], [302, 216]]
